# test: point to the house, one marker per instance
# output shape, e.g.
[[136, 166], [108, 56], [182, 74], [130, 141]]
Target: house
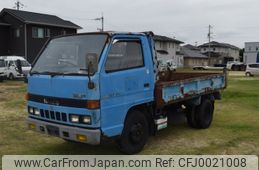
[[168, 49], [24, 33], [251, 53], [220, 53], [193, 56]]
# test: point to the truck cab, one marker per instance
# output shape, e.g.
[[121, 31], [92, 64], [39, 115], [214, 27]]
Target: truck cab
[[85, 87]]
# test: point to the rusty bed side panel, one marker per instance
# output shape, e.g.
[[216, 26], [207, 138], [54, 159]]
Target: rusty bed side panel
[[177, 82]]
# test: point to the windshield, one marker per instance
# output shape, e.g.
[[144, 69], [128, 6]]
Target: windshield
[[68, 54], [24, 63]]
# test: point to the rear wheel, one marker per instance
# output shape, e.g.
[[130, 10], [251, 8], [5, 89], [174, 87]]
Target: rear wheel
[[204, 114], [135, 133], [190, 115], [201, 116]]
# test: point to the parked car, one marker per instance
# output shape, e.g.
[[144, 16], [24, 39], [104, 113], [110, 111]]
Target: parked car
[[166, 65], [2, 70], [236, 66], [252, 69], [207, 68], [12, 69]]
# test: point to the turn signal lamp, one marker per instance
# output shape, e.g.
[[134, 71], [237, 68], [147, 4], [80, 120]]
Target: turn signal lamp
[[93, 104], [27, 96]]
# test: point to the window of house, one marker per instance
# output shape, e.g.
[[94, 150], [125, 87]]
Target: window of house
[[17, 32], [214, 49], [47, 32], [37, 32], [256, 48], [204, 49], [124, 55]]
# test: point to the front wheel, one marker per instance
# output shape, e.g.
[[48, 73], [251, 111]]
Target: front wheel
[[249, 74], [135, 133]]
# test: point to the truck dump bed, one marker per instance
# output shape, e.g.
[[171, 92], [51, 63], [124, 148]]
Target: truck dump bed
[[175, 87]]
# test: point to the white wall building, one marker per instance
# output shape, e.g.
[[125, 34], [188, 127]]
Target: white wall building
[[251, 53], [220, 53], [168, 49]]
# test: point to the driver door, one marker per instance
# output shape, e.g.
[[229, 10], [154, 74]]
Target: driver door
[[124, 82]]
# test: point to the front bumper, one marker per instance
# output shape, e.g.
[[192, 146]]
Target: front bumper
[[93, 136]]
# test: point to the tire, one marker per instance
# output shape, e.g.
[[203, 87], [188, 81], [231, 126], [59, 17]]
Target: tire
[[135, 133], [249, 74], [11, 76], [204, 114], [190, 116]]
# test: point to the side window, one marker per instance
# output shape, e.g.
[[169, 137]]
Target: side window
[[124, 55], [11, 63], [254, 65]]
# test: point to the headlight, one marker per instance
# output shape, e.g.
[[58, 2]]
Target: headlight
[[31, 110], [37, 112], [86, 120], [74, 118]]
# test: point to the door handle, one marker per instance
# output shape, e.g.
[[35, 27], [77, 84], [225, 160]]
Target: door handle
[[146, 85]]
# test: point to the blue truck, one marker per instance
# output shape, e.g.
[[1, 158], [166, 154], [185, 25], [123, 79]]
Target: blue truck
[[91, 86]]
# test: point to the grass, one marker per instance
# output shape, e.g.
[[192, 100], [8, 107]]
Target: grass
[[235, 129]]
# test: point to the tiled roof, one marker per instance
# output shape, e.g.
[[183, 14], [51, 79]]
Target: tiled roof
[[41, 19]]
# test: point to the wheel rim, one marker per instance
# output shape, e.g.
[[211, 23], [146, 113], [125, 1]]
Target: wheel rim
[[136, 133]]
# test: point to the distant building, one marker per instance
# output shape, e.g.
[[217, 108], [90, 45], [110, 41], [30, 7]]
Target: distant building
[[193, 56], [24, 33], [220, 53], [251, 54], [168, 49]]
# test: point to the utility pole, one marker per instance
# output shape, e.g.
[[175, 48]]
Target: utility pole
[[18, 5], [102, 22], [210, 37]]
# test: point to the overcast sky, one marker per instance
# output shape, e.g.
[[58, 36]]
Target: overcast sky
[[233, 21]]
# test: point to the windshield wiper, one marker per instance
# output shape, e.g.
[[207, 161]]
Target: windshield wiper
[[52, 74], [73, 73]]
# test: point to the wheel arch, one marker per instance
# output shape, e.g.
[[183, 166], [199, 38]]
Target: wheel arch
[[147, 110]]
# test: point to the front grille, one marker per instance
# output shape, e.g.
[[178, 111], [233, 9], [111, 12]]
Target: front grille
[[58, 116]]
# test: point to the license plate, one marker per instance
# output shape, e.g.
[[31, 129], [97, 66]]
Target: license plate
[[52, 130]]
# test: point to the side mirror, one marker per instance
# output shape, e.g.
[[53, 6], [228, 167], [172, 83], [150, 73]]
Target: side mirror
[[91, 63], [91, 67]]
